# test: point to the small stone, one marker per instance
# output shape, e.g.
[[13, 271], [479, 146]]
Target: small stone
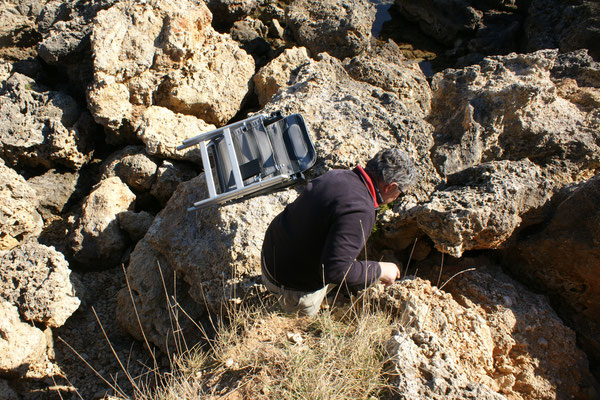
[[295, 337]]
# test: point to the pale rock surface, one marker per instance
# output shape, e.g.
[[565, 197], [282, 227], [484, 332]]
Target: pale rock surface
[[483, 205], [18, 202], [440, 346], [337, 27], [133, 166], [275, 29], [277, 73], [162, 130], [386, 67], [508, 107], [214, 251], [561, 256], [577, 78], [20, 343], [214, 84], [36, 279], [108, 101], [539, 107], [349, 121], [536, 356], [97, 240], [5, 69], [164, 53], [40, 127], [489, 343]]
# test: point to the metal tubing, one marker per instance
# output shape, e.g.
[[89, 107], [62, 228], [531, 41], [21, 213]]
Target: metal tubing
[[223, 197], [235, 166], [208, 177], [216, 132]]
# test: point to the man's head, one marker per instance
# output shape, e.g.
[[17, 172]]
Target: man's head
[[393, 171]]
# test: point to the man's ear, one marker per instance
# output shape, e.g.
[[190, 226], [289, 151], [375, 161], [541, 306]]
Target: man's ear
[[391, 186]]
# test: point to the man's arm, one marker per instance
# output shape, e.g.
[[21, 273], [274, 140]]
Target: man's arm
[[345, 239]]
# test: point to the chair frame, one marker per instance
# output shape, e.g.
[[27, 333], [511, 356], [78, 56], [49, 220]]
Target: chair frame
[[240, 189]]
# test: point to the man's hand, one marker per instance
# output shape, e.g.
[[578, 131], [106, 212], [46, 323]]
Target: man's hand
[[389, 273]]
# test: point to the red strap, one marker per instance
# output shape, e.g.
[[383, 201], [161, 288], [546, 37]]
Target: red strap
[[369, 184]]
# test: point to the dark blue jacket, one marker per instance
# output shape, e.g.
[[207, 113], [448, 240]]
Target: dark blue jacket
[[317, 238]]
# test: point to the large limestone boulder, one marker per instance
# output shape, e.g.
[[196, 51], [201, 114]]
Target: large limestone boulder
[[41, 127], [18, 216], [519, 128], [561, 256], [20, 342], [386, 67], [214, 252], [536, 356], [97, 240], [36, 279], [493, 340], [508, 107], [337, 27], [440, 349], [350, 121], [278, 72], [164, 53], [483, 205], [162, 130]]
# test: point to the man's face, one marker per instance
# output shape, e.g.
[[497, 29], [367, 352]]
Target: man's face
[[389, 192]]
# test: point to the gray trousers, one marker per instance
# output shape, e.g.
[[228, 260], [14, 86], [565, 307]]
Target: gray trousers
[[291, 301]]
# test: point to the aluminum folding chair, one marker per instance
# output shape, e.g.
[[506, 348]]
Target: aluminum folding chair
[[258, 155]]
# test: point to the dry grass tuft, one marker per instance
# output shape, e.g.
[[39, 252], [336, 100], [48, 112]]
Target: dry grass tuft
[[261, 354]]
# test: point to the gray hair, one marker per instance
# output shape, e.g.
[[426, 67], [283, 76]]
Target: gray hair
[[392, 165]]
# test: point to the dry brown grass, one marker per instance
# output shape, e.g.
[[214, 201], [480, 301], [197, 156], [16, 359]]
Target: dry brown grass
[[261, 354]]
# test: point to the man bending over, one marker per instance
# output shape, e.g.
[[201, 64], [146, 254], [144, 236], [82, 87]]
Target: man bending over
[[312, 246]]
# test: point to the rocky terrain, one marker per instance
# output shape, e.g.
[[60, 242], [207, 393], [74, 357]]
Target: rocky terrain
[[498, 102]]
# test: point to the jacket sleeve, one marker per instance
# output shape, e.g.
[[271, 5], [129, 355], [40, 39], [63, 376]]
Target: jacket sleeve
[[345, 240]]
